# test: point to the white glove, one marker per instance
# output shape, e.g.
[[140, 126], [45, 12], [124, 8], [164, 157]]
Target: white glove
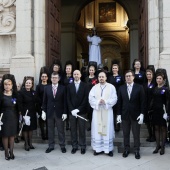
[[43, 116], [0, 125], [27, 120], [74, 112], [140, 118], [64, 117], [165, 116], [37, 115], [119, 119]]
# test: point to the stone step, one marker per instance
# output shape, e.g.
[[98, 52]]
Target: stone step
[[118, 141]]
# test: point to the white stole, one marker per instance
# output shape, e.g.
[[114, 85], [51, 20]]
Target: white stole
[[102, 113]]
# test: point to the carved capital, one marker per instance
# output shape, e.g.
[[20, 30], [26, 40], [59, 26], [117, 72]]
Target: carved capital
[[7, 16]]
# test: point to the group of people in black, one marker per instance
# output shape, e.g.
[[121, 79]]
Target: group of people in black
[[56, 101]]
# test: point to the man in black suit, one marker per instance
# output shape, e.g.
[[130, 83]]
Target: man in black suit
[[54, 109], [130, 112], [77, 98]]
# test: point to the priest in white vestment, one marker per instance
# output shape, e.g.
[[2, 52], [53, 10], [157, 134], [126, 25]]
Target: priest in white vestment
[[94, 48], [102, 98]]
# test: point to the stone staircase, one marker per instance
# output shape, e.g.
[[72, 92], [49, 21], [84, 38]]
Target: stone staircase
[[118, 141]]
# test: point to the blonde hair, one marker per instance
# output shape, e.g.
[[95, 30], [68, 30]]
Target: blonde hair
[[7, 81]]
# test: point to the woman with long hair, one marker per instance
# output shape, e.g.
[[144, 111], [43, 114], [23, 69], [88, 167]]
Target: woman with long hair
[[91, 80], [9, 109], [117, 80], [160, 103]]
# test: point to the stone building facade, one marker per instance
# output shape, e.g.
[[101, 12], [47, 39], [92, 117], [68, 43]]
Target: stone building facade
[[25, 37]]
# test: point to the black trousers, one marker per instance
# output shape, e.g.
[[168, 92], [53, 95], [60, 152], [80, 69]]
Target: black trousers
[[78, 124], [51, 131], [126, 126]]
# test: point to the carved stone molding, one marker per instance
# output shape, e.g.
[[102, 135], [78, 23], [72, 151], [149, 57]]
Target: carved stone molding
[[7, 16]]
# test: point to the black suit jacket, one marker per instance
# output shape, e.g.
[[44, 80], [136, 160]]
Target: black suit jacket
[[77, 100], [131, 107], [57, 104]]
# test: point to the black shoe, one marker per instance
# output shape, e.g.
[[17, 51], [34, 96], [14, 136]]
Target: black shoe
[[32, 147], [157, 149], [1, 148], [148, 139], [137, 155], [11, 156], [97, 153], [73, 151], [49, 150], [27, 148], [16, 140], [125, 154], [83, 151], [162, 151], [152, 139], [43, 138], [63, 150], [7, 158], [110, 153]]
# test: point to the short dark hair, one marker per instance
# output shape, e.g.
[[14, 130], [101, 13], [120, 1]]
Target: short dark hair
[[55, 74], [130, 71]]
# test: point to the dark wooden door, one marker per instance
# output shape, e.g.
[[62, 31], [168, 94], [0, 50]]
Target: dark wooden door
[[53, 25], [143, 31]]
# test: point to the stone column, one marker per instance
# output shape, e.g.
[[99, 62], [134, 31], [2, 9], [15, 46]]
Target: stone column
[[134, 42], [68, 42], [153, 32], [39, 36], [164, 61], [23, 63]]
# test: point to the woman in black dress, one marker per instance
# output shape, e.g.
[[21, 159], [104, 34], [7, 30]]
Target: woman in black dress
[[140, 77], [8, 106], [66, 80], [28, 100], [149, 87], [40, 92], [91, 80], [117, 80], [160, 104], [57, 68]]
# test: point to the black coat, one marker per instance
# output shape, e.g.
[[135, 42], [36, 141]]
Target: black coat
[[55, 104], [135, 105], [77, 100], [28, 100]]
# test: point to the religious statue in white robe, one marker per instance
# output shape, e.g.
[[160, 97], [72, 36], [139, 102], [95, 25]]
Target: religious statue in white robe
[[94, 48], [102, 131]]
